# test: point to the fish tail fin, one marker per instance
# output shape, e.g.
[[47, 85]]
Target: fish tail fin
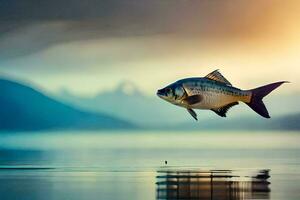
[[258, 94]]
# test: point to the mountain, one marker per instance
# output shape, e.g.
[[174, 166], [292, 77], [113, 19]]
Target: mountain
[[287, 122], [290, 122], [24, 109], [128, 102]]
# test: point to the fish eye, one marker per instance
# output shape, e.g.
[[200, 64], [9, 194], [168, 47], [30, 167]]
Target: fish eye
[[169, 92]]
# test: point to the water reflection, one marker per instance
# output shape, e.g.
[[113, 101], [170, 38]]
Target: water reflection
[[213, 184]]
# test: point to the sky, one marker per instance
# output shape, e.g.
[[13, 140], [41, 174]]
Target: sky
[[91, 46]]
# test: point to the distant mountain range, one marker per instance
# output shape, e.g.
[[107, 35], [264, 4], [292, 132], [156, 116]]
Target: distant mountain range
[[24, 108], [128, 102], [288, 122]]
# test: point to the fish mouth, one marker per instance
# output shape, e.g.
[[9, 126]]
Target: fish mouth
[[160, 93]]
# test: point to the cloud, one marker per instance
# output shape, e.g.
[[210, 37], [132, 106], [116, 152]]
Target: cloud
[[30, 26], [67, 43], [88, 66]]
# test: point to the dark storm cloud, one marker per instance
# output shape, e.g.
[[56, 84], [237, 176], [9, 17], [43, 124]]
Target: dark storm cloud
[[98, 14], [55, 9], [31, 25], [28, 26]]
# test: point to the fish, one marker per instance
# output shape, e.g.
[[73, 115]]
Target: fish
[[214, 92]]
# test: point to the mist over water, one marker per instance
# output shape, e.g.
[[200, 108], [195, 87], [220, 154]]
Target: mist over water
[[131, 165]]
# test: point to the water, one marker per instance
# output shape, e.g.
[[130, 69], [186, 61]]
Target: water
[[131, 165]]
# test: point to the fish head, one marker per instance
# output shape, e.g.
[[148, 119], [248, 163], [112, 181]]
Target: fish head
[[173, 93]]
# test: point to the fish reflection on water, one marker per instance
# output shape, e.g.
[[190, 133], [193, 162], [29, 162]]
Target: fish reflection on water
[[213, 184]]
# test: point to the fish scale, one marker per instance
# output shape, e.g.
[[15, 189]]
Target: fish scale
[[214, 94]]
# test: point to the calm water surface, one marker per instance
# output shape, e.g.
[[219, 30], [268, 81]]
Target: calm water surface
[[124, 165]]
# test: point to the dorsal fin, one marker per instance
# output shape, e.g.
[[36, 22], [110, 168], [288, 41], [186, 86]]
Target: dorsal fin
[[222, 111], [217, 76]]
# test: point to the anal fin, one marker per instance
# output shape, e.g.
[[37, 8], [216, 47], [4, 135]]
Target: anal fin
[[223, 110]]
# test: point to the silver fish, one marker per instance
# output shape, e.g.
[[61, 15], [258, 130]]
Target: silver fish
[[214, 92]]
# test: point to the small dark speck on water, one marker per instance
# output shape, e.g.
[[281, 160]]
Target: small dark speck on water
[[166, 162]]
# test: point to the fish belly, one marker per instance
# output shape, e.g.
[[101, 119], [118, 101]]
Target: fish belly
[[215, 100]]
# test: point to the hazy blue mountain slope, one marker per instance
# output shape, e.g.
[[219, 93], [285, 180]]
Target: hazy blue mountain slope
[[288, 122], [128, 102], [23, 108], [291, 122]]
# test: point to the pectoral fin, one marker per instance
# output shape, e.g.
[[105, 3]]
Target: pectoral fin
[[194, 99], [193, 113]]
